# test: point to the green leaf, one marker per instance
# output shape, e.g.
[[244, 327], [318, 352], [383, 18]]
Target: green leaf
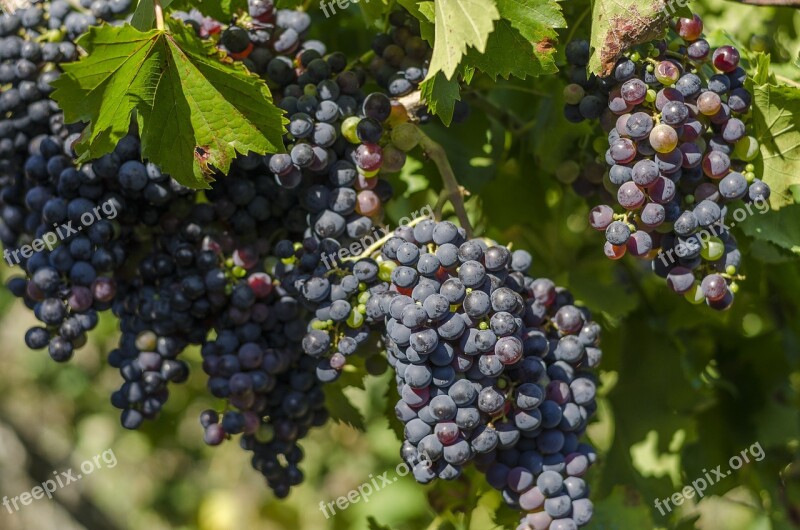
[[532, 21], [340, 407], [618, 25], [781, 228], [196, 108], [144, 18], [413, 178], [425, 13], [428, 9], [775, 119], [375, 525], [119, 74], [222, 10], [768, 253], [441, 95], [460, 24], [761, 72], [374, 10], [617, 511], [528, 58]]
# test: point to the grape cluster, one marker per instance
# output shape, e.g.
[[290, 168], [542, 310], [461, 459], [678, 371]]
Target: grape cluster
[[401, 56], [256, 364], [491, 364], [491, 367], [679, 158], [338, 137], [586, 96]]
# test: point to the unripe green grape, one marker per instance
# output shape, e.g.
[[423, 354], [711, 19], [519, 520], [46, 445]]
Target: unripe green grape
[[405, 136], [349, 126], [356, 319], [695, 295], [385, 269], [713, 250], [746, 149]]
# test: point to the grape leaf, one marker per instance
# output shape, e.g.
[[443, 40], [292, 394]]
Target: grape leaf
[[196, 109], [222, 10], [425, 13], [145, 16], [441, 95], [527, 59], [391, 416], [781, 228], [340, 407], [618, 25], [775, 112], [107, 85], [460, 24], [375, 525], [528, 26]]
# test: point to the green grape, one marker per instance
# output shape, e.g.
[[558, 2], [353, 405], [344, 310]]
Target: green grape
[[695, 295], [349, 126], [405, 136], [385, 269], [356, 319], [746, 149], [713, 250]]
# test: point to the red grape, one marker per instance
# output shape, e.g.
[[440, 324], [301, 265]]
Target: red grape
[[690, 29], [726, 59]]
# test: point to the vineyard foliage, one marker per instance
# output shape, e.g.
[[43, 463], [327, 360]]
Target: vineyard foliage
[[682, 388]]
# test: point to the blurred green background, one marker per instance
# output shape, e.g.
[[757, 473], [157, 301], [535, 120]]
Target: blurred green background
[[684, 388]]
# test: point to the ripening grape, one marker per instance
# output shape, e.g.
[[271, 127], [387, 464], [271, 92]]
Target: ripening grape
[[726, 58], [663, 138], [689, 29]]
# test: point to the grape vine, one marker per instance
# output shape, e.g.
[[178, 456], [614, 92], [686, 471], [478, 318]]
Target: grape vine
[[222, 180]]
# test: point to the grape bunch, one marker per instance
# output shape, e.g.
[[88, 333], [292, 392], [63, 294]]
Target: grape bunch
[[679, 158], [338, 137], [491, 367], [401, 57], [586, 96]]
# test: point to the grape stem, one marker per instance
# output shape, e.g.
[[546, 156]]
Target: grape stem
[[437, 154], [159, 15], [377, 245], [786, 80], [76, 5]]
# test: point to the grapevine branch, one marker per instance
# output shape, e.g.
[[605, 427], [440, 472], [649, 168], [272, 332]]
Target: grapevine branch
[[456, 195]]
